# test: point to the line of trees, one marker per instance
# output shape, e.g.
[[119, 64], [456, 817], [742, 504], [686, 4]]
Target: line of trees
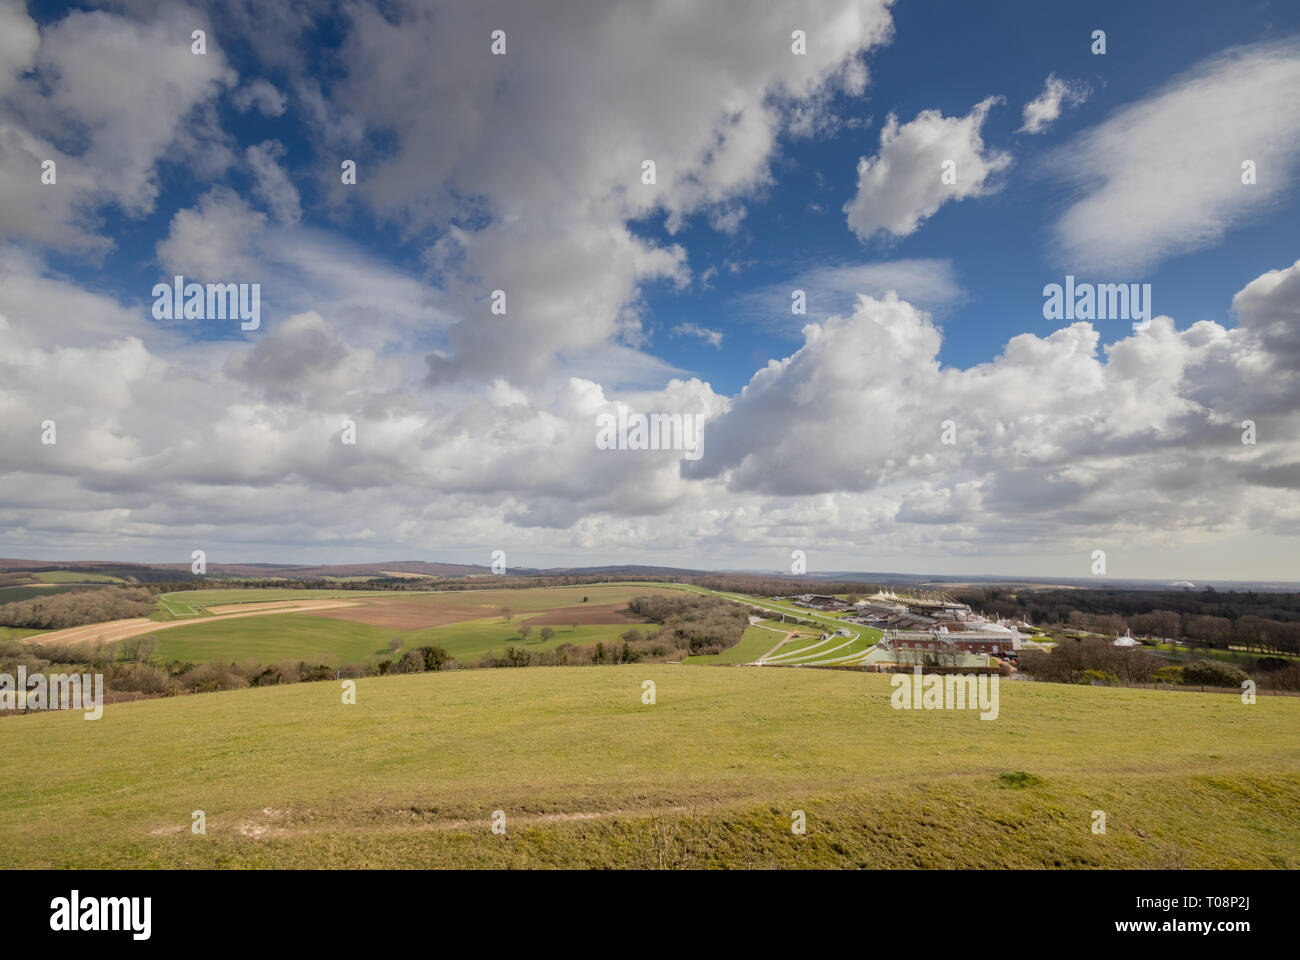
[[130, 672], [757, 585]]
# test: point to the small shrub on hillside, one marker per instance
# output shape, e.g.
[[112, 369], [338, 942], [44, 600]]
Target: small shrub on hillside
[[142, 678], [76, 652], [1169, 674], [209, 677], [311, 673], [137, 648], [412, 661], [436, 658], [269, 677], [1100, 678], [516, 657], [1213, 673]]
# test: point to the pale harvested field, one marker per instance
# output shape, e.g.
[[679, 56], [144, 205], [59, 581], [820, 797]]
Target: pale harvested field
[[114, 630], [271, 606]]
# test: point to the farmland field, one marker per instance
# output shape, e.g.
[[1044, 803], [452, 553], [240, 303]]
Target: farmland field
[[194, 603], [588, 775], [19, 633], [351, 626], [320, 639], [468, 624], [30, 590], [69, 576]]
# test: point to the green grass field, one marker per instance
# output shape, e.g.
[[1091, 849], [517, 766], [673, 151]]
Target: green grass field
[[68, 576], [28, 591], [470, 640], [19, 633], [297, 636], [752, 645], [539, 599], [273, 639], [1189, 653], [589, 776], [532, 599]]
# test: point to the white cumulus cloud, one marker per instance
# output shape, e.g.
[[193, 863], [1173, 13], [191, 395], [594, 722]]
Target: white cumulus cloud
[[904, 184]]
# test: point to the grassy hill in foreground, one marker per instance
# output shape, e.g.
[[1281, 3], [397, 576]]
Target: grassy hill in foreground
[[589, 776]]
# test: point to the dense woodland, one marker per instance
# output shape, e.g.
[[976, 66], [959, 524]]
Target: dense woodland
[[77, 608], [690, 621], [1099, 661], [1255, 621]]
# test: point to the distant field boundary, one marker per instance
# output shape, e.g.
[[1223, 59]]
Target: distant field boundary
[[1193, 688]]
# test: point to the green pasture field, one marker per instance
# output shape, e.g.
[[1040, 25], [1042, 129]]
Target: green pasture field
[[708, 776], [752, 645], [1187, 653], [273, 639], [470, 640], [276, 638], [28, 591], [299, 636], [68, 576], [525, 600], [540, 599], [19, 633]]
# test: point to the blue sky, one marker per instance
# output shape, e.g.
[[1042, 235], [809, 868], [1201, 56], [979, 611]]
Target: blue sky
[[945, 56], [522, 172]]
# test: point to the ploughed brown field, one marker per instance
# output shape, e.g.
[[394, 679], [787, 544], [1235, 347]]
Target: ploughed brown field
[[586, 613], [401, 613]]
